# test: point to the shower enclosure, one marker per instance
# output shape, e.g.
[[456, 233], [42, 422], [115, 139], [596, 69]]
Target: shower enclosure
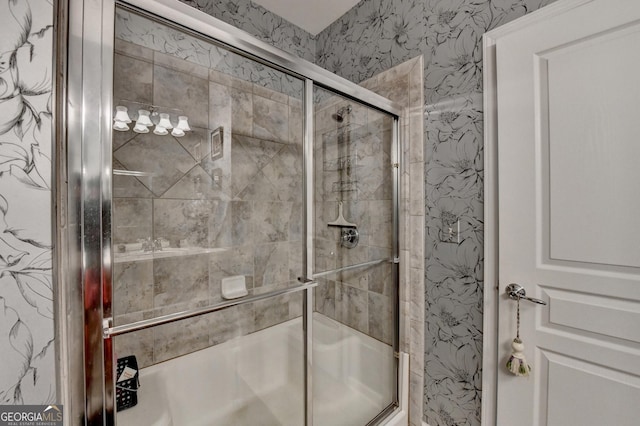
[[239, 227]]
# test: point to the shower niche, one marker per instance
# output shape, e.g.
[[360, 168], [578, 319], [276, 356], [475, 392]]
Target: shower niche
[[262, 237]]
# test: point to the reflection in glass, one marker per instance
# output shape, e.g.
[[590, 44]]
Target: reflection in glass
[[214, 212], [196, 213]]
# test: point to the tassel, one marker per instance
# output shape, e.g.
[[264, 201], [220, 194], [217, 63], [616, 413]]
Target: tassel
[[517, 363]]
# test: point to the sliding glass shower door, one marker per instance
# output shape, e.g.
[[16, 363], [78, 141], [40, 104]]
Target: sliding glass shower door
[[238, 249], [354, 250], [207, 214]]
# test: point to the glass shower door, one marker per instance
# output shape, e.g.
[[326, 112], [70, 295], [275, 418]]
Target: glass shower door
[[207, 214], [353, 321]]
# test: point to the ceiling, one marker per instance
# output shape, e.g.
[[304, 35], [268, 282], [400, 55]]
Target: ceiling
[[312, 16]]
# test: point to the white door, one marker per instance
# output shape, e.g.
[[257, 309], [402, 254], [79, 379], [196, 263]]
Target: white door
[[568, 154]]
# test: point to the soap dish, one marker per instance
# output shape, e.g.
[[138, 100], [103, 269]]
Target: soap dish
[[234, 287]]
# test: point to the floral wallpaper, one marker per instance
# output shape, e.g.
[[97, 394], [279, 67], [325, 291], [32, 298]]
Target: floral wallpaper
[[376, 35], [372, 37], [147, 33], [261, 23], [27, 375]]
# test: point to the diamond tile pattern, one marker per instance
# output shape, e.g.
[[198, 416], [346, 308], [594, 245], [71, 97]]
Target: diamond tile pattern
[[161, 156]]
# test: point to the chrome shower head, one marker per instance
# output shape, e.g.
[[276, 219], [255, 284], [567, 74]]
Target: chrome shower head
[[340, 114]]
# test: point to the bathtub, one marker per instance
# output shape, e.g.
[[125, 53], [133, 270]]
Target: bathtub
[[258, 380]]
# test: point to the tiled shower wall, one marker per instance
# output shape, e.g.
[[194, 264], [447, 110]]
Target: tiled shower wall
[[353, 166], [27, 344], [360, 299], [374, 36], [246, 204]]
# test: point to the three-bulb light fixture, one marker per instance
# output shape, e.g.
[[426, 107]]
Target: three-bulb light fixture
[[149, 118]]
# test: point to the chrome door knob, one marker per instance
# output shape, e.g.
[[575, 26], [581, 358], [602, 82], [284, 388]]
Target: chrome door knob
[[516, 291]]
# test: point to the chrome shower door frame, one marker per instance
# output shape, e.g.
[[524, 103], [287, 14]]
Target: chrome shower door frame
[[84, 238], [86, 255]]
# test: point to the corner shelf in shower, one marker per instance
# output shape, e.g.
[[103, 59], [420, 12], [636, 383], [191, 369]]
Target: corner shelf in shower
[[139, 255]]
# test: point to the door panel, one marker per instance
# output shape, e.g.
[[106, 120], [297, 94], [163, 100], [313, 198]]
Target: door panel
[[568, 183], [588, 177], [585, 313], [586, 382]]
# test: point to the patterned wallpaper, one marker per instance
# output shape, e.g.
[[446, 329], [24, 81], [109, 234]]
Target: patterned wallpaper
[[261, 23], [373, 36], [27, 375], [161, 38], [378, 34]]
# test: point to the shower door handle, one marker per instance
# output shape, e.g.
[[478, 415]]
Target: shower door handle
[[516, 291]]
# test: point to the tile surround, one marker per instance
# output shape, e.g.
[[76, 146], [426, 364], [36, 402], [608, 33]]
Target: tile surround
[[265, 165], [131, 218], [271, 120], [271, 264], [247, 203], [240, 14], [135, 79], [162, 157], [133, 288], [182, 90], [361, 298]]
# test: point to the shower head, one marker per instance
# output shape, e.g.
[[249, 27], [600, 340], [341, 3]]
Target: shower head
[[339, 115]]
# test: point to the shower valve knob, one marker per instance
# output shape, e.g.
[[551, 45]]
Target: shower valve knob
[[349, 237]]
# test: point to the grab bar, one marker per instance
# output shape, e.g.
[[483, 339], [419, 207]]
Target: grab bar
[[351, 267], [109, 331]]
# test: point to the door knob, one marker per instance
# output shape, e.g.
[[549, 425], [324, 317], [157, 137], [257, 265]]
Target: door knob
[[516, 291]]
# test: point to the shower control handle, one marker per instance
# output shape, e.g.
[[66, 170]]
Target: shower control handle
[[516, 291], [349, 237]]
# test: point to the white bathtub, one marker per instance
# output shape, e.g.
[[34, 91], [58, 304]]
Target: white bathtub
[[258, 380]]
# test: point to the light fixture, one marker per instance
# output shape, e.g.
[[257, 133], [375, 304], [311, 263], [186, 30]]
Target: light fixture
[[148, 116], [159, 130], [143, 122], [120, 126], [122, 115], [165, 122], [183, 123], [140, 128], [144, 118]]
